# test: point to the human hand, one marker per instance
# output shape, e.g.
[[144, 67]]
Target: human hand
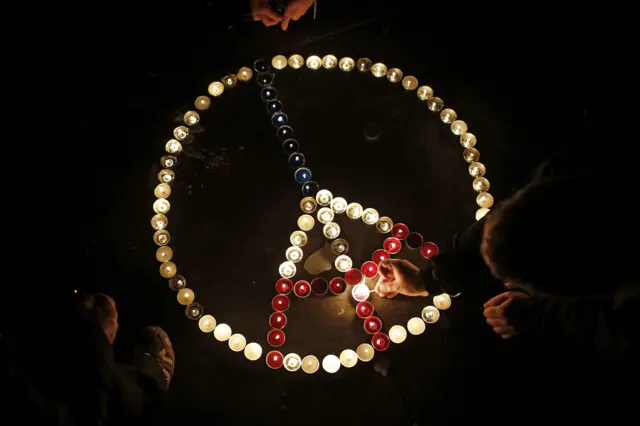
[[399, 276], [494, 312], [261, 11], [295, 10]]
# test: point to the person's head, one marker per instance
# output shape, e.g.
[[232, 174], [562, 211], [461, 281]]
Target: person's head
[[102, 309], [552, 237]]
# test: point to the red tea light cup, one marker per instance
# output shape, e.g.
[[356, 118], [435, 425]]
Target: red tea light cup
[[319, 286], [280, 303], [372, 325], [392, 245], [429, 250], [274, 359], [277, 320], [400, 231], [302, 289], [380, 341], [364, 309], [276, 337], [414, 240], [353, 276], [380, 255], [369, 269], [337, 285], [284, 286]]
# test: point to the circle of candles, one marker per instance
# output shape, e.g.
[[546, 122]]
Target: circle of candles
[[481, 212], [280, 303], [416, 326], [354, 211], [294, 254], [222, 332], [306, 222], [324, 197], [280, 119], [181, 132], [394, 75], [310, 364], [292, 362], [275, 337], [353, 276], [253, 351], [284, 286], [308, 204], [173, 146], [279, 62], [163, 190], [346, 64], [298, 238], [429, 250], [329, 62], [237, 342], [164, 254], [264, 79], [414, 240], [284, 133], [207, 323], [459, 127], [348, 358], [296, 61], [245, 74], [269, 94], [343, 263], [400, 231], [191, 118], [216, 89], [277, 320], [310, 188], [331, 364], [337, 285], [370, 216], [177, 283], [168, 161], [287, 269], [194, 311], [313, 62], [360, 292], [484, 199], [365, 352], [274, 359], [319, 286], [161, 205], [202, 103], [302, 289], [480, 184], [364, 64], [380, 255], [338, 205], [379, 70], [325, 215], [448, 115], [392, 245], [410, 83], [477, 169], [468, 140], [364, 309], [380, 341], [435, 104], [166, 176], [470, 155], [230, 80], [397, 334], [424, 93], [340, 246], [162, 238], [369, 269], [331, 230], [159, 222], [430, 314], [168, 269], [384, 225], [372, 324], [442, 301]]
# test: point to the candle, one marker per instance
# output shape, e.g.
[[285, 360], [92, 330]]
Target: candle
[[360, 292], [308, 204], [364, 309], [369, 269], [166, 176], [331, 364], [294, 254], [253, 351], [331, 230], [348, 358], [306, 222], [310, 364], [186, 296], [397, 334], [365, 352], [284, 286], [296, 61], [237, 342], [207, 323], [168, 269], [339, 205], [380, 255], [314, 62], [400, 231], [298, 238], [346, 64], [354, 211], [275, 337], [329, 61], [292, 362], [481, 213], [280, 303], [202, 103], [161, 205], [177, 283], [161, 238], [191, 118], [370, 216], [302, 289], [384, 225], [442, 302], [173, 146], [216, 89], [164, 254], [222, 332], [324, 197], [162, 191], [277, 320], [429, 250], [416, 326], [372, 325], [279, 62], [339, 246], [380, 341], [337, 285], [287, 269], [343, 263], [274, 359], [325, 215], [181, 132], [245, 74], [194, 311], [430, 314], [353, 276], [392, 245]]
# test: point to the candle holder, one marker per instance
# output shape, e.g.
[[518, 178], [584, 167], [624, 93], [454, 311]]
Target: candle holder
[[372, 325], [298, 238], [384, 225], [308, 204], [292, 362], [276, 337], [414, 240], [353, 277], [325, 215], [430, 314], [337, 285], [302, 289], [331, 230], [294, 254], [364, 309], [392, 245], [429, 250], [380, 342], [324, 197], [360, 292], [380, 255], [339, 246], [284, 286], [400, 231], [277, 320], [319, 286], [287, 269], [274, 359], [369, 269], [370, 216]]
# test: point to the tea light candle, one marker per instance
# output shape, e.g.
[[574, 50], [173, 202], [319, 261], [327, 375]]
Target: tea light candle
[[364, 309], [337, 285], [222, 332], [331, 230], [284, 286], [397, 334], [384, 225], [275, 337], [161, 206], [338, 205], [302, 289], [306, 222], [400, 231], [369, 269], [380, 255], [442, 302], [325, 215], [159, 222], [380, 341], [294, 254], [277, 320], [392, 245], [186, 296], [348, 358], [343, 263], [365, 352], [310, 364], [253, 351], [353, 276], [298, 238], [162, 191], [429, 250], [274, 359], [292, 362], [324, 197], [331, 364], [280, 303], [360, 292], [308, 204], [287, 270], [207, 323], [296, 61], [481, 212], [237, 342], [430, 314], [372, 325], [370, 216], [339, 246], [416, 326], [354, 211]]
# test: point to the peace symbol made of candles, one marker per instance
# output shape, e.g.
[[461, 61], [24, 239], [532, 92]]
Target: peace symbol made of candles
[[318, 207]]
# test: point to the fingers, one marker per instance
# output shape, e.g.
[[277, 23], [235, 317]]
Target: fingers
[[285, 23], [391, 295], [386, 269], [266, 15], [497, 322], [497, 300], [506, 332], [493, 312]]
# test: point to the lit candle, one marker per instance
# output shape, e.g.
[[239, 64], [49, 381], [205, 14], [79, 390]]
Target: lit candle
[[186, 296], [181, 133], [202, 103], [372, 325], [280, 303], [477, 169], [237, 342], [484, 199], [392, 245], [207, 323], [468, 140], [380, 341], [324, 197], [348, 358], [166, 176], [331, 230], [397, 334], [442, 302], [277, 320], [161, 238], [331, 364], [343, 263], [410, 83], [416, 326], [177, 283], [194, 311], [296, 61], [302, 289], [253, 351], [310, 364], [229, 80], [284, 286], [429, 249], [292, 362], [339, 246], [329, 61], [424, 93], [222, 332], [364, 309], [430, 314], [354, 211], [191, 118], [279, 62], [308, 204], [294, 254], [339, 205], [480, 184], [168, 161], [276, 337], [325, 215], [274, 359], [365, 352], [448, 115], [458, 127], [400, 231], [245, 74], [314, 62], [394, 75], [159, 222], [379, 70], [216, 89], [346, 64], [380, 255], [164, 254], [287, 269], [470, 155], [435, 103], [370, 216], [364, 64], [306, 222], [384, 225], [354, 276], [369, 269], [481, 212], [298, 238], [162, 191], [360, 292], [161, 205]]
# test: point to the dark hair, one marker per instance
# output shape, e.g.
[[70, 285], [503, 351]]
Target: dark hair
[[96, 308], [555, 236]]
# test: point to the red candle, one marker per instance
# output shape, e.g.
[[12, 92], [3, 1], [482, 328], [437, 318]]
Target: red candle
[[353, 276], [302, 289], [372, 325], [284, 286], [274, 359], [414, 240], [364, 309], [369, 269], [380, 255], [400, 231], [280, 303], [319, 286], [429, 250], [337, 285], [392, 245], [277, 320], [275, 337], [380, 341]]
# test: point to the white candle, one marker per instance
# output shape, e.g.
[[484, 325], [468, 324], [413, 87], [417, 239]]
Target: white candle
[[397, 334], [416, 326], [442, 302], [253, 351], [331, 364], [348, 358]]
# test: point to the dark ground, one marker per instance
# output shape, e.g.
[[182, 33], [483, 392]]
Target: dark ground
[[525, 95]]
